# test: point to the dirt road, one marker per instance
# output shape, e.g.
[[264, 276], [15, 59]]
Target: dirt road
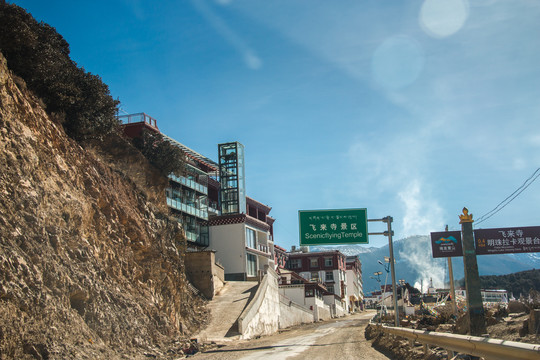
[[336, 339]]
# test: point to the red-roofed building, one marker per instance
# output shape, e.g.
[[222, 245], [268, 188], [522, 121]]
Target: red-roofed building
[[327, 267]]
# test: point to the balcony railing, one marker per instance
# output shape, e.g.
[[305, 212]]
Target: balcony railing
[[260, 249], [201, 239], [190, 183], [213, 208], [264, 248], [178, 205]]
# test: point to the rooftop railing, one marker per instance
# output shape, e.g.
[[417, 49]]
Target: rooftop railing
[[137, 118]]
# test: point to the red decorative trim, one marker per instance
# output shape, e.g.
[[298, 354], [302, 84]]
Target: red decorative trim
[[227, 220], [238, 219]]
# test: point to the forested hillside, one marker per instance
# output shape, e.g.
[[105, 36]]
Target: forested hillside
[[520, 283]]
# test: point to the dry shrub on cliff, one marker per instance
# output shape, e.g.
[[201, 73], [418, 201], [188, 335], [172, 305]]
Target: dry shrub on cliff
[[39, 55]]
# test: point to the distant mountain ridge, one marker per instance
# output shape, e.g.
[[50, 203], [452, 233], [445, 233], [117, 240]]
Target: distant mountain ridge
[[415, 264]]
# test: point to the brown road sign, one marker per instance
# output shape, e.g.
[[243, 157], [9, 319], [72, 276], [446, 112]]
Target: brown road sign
[[525, 239], [446, 244]]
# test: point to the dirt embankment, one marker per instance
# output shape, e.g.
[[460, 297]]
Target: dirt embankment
[[90, 264], [511, 323]]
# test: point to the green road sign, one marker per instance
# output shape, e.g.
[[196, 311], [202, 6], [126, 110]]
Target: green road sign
[[331, 227]]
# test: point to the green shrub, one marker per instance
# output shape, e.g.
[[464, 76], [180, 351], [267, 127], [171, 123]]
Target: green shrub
[[40, 56], [163, 155], [80, 101]]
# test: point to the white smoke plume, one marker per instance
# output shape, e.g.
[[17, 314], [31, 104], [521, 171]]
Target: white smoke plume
[[422, 215], [418, 255]]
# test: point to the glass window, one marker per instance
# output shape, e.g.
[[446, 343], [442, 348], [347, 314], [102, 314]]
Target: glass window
[[251, 265], [295, 263], [251, 238], [314, 262], [314, 276], [329, 276], [328, 262], [330, 289], [309, 293]]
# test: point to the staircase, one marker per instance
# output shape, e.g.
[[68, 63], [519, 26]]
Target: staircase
[[225, 309]]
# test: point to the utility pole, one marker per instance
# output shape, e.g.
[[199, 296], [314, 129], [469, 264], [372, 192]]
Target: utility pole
[[477, 323], [388, 221]]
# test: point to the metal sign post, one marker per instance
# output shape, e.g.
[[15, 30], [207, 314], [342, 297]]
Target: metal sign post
[[344, 226], [388, 220]]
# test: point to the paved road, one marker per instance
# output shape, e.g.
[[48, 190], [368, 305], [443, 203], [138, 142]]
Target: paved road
[[336, 339]]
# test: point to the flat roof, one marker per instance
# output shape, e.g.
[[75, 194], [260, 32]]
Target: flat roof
[[193, 154]]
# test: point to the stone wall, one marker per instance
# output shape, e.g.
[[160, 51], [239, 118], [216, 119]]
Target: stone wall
[[292, 314], [203, 272]]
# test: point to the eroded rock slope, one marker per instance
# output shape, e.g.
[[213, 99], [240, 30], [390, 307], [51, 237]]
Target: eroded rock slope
[[90, 264]]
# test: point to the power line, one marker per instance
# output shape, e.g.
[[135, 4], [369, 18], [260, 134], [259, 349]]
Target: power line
[[511, 197]]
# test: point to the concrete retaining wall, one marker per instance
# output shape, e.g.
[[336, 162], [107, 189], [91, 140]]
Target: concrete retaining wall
[[339, 311], [261, 316], [292, 313], [321, 313], [219, 277]]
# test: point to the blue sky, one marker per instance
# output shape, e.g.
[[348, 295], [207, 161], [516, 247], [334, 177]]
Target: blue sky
[[412, 109]]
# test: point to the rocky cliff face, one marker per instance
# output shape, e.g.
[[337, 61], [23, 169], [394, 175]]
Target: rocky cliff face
[[90, 264]]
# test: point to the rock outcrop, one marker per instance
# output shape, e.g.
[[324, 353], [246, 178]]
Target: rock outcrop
[[90, 263]]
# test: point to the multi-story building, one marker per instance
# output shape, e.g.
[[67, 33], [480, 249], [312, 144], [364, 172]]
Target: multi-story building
[[243, 241], [193, 197], [310, 294], [243, 234], [355, 293], [327, 267], [488, 295], [210, 201]]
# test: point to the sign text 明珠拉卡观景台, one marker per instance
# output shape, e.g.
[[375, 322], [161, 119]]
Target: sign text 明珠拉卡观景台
[[331, 227], [525, 239]]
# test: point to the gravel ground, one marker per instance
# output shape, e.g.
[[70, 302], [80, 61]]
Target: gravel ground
[[336, 339]]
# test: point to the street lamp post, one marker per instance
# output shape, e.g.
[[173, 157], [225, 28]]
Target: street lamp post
[[378, 278], [387, 269]]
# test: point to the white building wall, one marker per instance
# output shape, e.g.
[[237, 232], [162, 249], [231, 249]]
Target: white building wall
[[293, 292], [229, 243], [314, 301], [293, 314], [354, 286]]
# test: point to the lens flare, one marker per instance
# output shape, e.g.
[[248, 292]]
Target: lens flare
[[442, 18], [397, 62]]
